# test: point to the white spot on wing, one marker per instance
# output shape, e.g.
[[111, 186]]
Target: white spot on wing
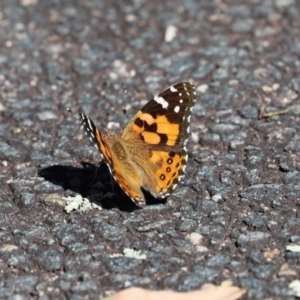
[[180, 178], [177, 109], [180, 101], [173, 89], [89, 123], [161, 101]]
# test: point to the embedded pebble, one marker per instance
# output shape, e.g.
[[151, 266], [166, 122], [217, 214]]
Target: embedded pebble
[[122, 264]]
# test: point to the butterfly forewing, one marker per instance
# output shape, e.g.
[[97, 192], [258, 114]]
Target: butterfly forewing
[[96, 137], [165, 119]]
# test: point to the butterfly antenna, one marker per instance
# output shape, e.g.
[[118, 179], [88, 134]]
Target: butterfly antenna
[[114, 126], [71, 111], [124, 96]]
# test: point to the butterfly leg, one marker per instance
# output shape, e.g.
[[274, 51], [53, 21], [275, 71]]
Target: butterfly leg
[[96, 171]]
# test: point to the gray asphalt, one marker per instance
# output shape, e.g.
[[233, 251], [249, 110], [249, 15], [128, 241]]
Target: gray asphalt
[[67, 231]]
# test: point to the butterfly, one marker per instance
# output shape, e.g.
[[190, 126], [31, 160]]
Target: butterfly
[[150, 154]]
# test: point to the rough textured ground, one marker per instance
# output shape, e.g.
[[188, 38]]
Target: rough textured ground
[[237, 213]]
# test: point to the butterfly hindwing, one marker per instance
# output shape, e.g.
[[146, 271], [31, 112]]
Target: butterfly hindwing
[[170, 170]]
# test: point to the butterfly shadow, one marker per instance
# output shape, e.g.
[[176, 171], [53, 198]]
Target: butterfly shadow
[[90, 181]]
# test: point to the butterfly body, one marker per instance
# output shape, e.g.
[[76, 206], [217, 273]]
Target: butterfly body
[[150, 153]]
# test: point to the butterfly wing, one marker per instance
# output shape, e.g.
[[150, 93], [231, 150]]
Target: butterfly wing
[[96, 138], [114, 154], [165, 119], [160, 129]]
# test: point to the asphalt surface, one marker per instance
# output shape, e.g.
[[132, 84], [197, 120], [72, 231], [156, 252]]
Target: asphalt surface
[[67, 231]]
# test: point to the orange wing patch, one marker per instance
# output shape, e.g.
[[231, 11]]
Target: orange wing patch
[[102, 145], [156, 130], [170, 168]]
